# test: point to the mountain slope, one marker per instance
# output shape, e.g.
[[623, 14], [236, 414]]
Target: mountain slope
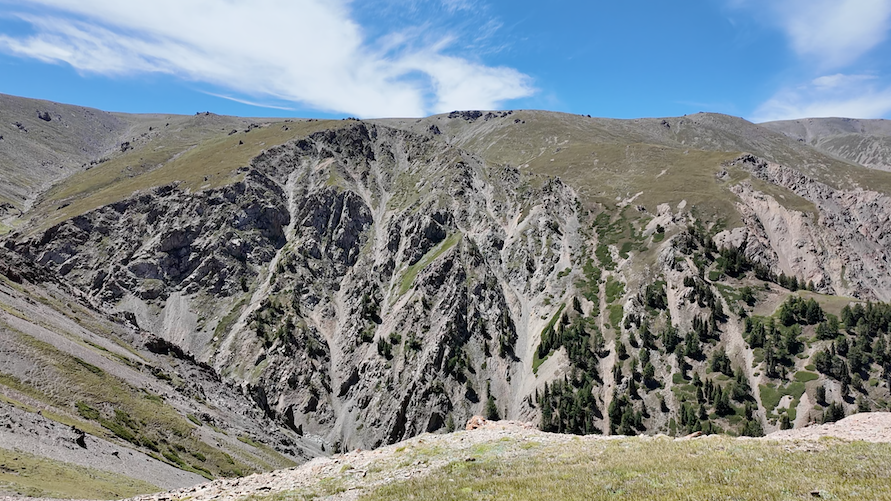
[[355, 283], [867, 142]]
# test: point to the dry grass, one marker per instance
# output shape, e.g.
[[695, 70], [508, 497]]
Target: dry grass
[[714, 468], [196, 159], [26, 475], [153, 420]]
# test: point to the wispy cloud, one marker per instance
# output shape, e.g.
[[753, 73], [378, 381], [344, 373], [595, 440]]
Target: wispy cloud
[[838, 95], [830, 39], [834, 32], [307, 51]]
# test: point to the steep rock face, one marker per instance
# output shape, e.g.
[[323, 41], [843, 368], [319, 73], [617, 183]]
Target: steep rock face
[[363, 285], [167, 242], [844, 251], [402, 294]]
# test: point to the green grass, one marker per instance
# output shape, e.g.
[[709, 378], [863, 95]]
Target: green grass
[[226, 322], [614, 289], [715, 468], [731, 294], [28, 475], [771, 395], [412, 271], [248, 440], [604, 257], [197, 158], [616, 312], [804, 377], [536, 362], [590, 287]]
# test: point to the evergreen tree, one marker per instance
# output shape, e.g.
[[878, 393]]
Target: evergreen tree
[[753, 428], [722, 403], [833, 413], [649, 372], [492, 409], [785, 424], [820, 395]]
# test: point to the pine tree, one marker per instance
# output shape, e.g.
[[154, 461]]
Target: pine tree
[[492, 409], [785, 424], [820, 394], [649, 372], [833, 413]]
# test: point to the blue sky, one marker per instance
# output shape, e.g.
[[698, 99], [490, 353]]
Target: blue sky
[[760, 59]]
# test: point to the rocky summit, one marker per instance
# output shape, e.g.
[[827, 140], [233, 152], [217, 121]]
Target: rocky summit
[[191, 297]]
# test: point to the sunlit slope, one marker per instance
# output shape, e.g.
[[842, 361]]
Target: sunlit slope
[[661, 159], [199, 152], [867, 142]]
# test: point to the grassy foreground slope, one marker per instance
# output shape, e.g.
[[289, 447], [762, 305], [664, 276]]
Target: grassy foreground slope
[[504, 460], [715, 468]]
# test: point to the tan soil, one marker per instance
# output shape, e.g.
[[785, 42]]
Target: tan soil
[[868, 427]]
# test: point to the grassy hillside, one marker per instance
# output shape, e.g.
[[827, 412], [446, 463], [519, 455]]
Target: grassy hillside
[[611, 160], [196, 153], [25, 474]]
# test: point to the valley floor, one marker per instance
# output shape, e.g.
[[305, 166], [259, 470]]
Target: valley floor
[[850, 459]]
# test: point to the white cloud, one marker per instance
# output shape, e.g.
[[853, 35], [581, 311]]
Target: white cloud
[[307, 51], [454, 5], [839, 95], [834, 32]]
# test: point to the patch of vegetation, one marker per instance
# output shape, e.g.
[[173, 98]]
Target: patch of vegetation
[[412, 271], [590, 287], [605, 257], [248, 440], [771, 394], [804, 376], [226, 322], [615, 315], [614, 289]]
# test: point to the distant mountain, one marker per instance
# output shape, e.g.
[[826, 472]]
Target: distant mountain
[[867, 142], [312, 286]]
